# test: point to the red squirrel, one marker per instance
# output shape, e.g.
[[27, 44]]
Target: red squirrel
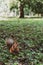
[[12, 45]]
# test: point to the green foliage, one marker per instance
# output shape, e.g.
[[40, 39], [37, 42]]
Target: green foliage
[[25, 2], [26, 10], [13, 5], [34, 5], [29, 34], [37, 7], [16, 63]]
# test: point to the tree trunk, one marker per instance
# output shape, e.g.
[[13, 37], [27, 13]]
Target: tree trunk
[[21, 10]]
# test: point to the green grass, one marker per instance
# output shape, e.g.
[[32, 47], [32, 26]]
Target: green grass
[[28, 31]]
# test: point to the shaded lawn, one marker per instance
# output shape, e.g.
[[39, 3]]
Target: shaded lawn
[[29, 34]]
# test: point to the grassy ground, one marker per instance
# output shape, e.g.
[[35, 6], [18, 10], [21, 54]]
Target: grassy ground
[[29, 34]]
